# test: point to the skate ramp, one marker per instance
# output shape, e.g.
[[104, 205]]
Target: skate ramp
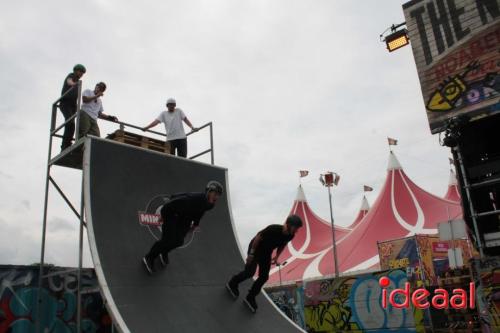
[[188, 296]]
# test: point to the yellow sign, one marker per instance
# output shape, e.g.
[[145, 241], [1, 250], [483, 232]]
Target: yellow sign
[[399, 263]]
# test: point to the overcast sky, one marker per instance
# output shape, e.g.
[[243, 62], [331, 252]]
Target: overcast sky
[[288, 84]]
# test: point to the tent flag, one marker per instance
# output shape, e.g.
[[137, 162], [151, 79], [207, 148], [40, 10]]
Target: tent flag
[[392, 142], [367, 188]]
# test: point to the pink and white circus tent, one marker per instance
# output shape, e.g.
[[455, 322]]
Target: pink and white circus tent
[[401, 209], [453, 193]]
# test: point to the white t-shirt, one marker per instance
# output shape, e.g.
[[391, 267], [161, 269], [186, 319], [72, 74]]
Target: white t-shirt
[[94, 107], [173, 124]]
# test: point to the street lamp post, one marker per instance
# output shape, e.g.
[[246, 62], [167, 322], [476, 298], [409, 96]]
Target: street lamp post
[[279, 269], [328, 180]]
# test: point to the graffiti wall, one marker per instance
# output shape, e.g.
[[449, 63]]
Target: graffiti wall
[[487, 279], [424, 257], [353, 304], [398, 253], [19, 293], [290, 300], [455, 45]]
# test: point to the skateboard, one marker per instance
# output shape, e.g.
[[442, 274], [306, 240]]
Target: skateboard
[[249, 306]]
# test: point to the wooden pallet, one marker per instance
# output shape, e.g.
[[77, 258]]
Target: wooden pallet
[[140, 141]]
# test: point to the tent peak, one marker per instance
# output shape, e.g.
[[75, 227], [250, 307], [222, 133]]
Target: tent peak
[[453, 178], [364, 204], [300, 194], [393, 162]]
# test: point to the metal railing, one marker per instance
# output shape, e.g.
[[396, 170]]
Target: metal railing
[[54, 130], [209, 125]]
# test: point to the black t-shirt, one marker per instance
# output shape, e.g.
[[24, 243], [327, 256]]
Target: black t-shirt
[[186, 208], [272, 237], [72, 96]]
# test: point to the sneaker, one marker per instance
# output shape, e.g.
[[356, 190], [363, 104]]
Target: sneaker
[[233, 290], [251, 303], [148, 264], [164, 260]]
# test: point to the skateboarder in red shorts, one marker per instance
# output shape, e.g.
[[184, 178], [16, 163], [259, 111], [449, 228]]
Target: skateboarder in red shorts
[[181, 215], [260, 252]]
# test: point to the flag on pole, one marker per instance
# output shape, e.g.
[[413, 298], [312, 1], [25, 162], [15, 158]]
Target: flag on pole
[[329, 180], [303, 173], [336, 179], [367, 188], [392, 142]]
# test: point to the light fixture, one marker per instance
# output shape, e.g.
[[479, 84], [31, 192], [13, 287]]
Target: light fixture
[[396, 39]]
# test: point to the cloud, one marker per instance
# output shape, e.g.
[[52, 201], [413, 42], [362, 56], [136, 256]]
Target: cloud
[[4, 175], [26, 204], [57, 224]]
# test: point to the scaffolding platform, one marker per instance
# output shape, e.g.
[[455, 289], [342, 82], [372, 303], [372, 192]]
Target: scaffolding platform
[[70, 157]]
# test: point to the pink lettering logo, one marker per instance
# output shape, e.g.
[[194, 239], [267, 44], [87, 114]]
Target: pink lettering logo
[[400, 298]]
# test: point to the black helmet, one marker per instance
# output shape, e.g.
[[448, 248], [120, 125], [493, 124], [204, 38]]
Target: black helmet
[[214, 186], [79, 67], [294, 221]]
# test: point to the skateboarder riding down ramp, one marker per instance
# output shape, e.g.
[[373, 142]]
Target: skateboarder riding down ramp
[[181, 215], [260, 250], [189, 295]]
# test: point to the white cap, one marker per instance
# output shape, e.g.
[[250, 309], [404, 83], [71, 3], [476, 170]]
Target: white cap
[[171, 101]]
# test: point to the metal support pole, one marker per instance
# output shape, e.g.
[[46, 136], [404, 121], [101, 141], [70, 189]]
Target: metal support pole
[[65, 198], [78, 106], [44, 223], [212, 143], [333, 233], [80, 260], [450, 222], [279, 271], [469, 199]]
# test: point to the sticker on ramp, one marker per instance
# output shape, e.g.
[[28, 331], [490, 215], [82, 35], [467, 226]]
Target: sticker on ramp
[[150, 219], [150, 216]]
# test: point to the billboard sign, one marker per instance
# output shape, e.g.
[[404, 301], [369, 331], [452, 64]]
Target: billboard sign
[[455, 46]]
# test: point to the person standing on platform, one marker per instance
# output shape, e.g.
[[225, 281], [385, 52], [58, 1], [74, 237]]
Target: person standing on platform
[[68, 103], [91, 110], [180, 215], [260, 253], [173, 118]]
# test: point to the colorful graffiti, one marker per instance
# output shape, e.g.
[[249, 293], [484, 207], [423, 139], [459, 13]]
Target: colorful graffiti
[[487, 279], [398, 253], [353, 304], [458, 70], [451, 91], [290, 300], [19, 295], [425, 257]]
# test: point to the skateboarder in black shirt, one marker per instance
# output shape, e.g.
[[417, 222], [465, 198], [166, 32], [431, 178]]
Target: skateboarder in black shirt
[[260, 252], [181, 215]]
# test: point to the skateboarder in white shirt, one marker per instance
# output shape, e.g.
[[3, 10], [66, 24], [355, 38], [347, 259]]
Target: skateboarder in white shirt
[[173, 118]]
